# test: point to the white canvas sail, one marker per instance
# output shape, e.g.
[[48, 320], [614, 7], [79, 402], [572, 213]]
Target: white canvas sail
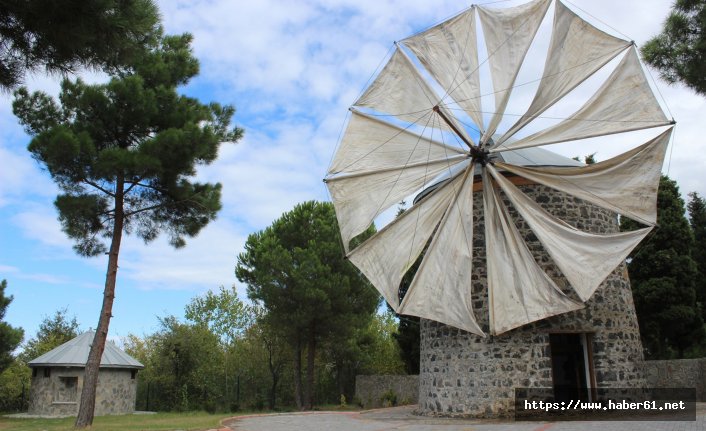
[[626, 184], [584, 258], [508, 36], [624, 103], [399, 90], [379, 163], [519, 291], [386, 256], [577, 50], [442, 291], [376, 166], [449, 52]]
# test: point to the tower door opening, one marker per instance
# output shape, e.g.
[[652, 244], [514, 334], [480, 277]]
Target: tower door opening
[[572, 368]]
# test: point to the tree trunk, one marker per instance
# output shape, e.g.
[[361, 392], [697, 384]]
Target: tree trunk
[[274, 372], [339, 377], [298, 376], [90, 377], [310, 355]]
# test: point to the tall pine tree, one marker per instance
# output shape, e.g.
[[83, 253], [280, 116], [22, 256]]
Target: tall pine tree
[[697, 219], [123, 154], [664, 281], [64, 36], [679, 52], [296, 270], [10, 337]]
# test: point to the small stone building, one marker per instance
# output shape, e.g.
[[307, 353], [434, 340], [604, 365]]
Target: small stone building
[[57, 379]]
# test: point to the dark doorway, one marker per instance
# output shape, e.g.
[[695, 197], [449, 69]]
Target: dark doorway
[[570, 366]]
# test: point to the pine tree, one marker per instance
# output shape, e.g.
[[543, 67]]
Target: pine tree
[[10, 337], [664, 279], [679, 52], [697, 219], [122, 154], [295, 269], [63, 36]]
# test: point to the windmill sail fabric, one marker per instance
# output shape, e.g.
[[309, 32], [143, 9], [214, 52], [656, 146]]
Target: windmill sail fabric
[[577, 50], [586, 259], [384, 164], [519, 291], [624, 103], [508, 35], [449, 51], [400, 90], [382, 160], [626, 184], [386, 256], [442, 291]]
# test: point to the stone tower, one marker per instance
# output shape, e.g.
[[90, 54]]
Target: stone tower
[[462, 374]]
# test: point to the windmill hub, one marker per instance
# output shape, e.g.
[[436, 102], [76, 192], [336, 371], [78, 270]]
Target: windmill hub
[[480, 155]]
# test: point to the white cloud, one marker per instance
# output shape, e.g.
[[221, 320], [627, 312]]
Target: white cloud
[[39, 223], [9, 269], [207, 261], [291, 69]]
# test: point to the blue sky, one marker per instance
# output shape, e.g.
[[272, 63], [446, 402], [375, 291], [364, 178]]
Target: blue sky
[[291, 69]]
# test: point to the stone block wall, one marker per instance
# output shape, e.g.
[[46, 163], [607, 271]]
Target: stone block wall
[[678, 373], [462, 374], [370, 390], [59, 393]]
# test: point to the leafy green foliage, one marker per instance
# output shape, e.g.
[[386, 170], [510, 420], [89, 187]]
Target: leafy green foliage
[[679, 52], [295, 269], [64, 36], [53, 331], [14, 387], [262, 355], [130, 143], [223, 312], [123, 154], [697, 219], [10, 337], [184, 367], [664, 280], [380, 354]]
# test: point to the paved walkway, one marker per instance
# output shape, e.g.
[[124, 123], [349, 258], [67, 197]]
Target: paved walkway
[[403, 419]]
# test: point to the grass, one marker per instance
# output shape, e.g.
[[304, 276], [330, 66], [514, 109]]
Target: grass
[[190, 421]]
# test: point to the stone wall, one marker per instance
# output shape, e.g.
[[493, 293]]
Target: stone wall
[[59, 393], [678, 373], [462, 374], [370, 390]]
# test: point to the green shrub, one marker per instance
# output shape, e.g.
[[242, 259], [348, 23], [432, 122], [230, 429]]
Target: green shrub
[[389, 398]]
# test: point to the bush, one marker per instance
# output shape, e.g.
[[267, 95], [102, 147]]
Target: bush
[[389, 398]]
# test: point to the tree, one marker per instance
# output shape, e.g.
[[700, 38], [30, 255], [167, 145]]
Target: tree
[[663, 277], [295, 269], [679, 52], [186, 366], [224, 313], [122, 154], [697, 219], [371, 349], [263, 344], [226, 316], [10, 337], [60, 37], [407, 335], [53, 331]]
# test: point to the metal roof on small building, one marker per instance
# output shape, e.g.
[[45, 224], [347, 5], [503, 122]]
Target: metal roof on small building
[[74, 353]]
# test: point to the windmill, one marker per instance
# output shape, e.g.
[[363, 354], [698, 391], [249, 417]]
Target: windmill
[[432, 76], [435, 124]]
